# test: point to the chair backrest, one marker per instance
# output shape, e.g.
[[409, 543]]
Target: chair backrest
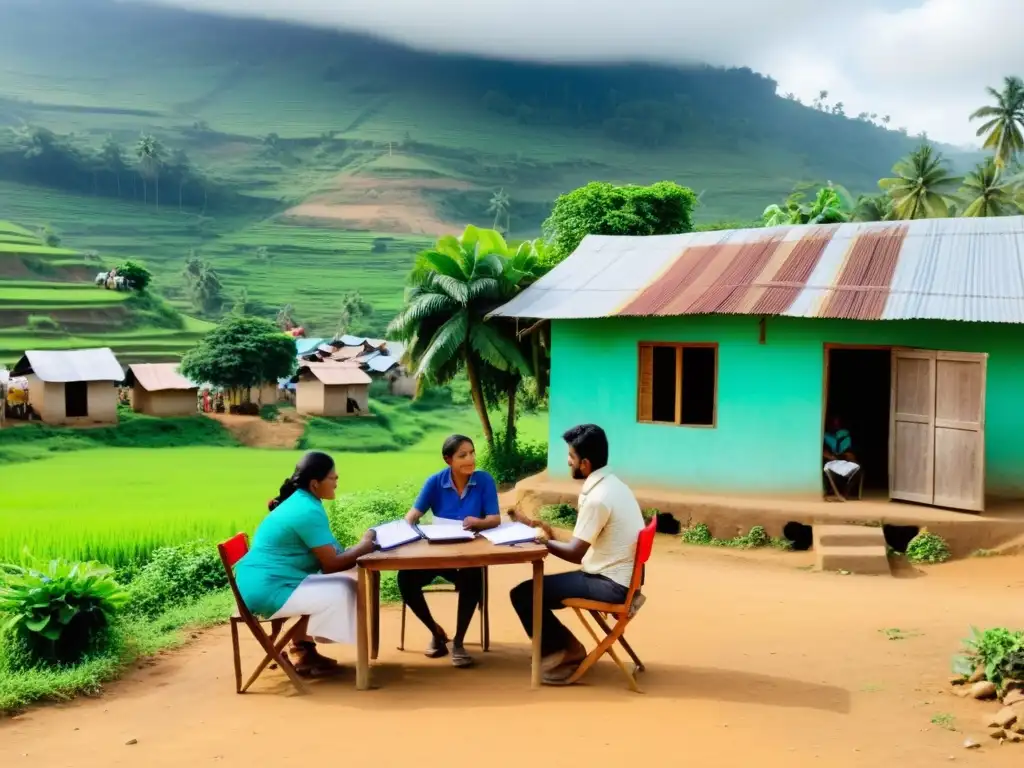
[[644, 546], [231, 551]]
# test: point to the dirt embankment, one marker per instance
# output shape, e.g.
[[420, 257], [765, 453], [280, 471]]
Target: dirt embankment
[[380, 204], [254, 432]]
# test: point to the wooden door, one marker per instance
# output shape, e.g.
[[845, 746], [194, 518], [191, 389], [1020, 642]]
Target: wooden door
[[937, 428], [912, 426], [960, 430]]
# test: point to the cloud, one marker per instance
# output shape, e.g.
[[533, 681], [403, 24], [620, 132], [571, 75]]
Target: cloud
[[924, 62]]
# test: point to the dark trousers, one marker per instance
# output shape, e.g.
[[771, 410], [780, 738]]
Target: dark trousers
[[554, 636], [468, 581]]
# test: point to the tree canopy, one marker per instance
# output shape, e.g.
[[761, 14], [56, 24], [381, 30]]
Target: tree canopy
[[136, 274], [240, 353], [600, 208]]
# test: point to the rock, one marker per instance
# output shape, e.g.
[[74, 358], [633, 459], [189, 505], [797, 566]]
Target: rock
[[971, 744], [978, 675], [957, 680], [1015, 738], [1013, 685], [1002, 719], [1015, 696], [130, 742], [963, 692], [983, 690], [997, 733]]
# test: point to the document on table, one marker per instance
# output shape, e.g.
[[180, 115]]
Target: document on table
[[445, 533], [510, 533], [395, 534]]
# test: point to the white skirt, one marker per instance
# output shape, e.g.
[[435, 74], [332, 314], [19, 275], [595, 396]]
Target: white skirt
[[329, 599]]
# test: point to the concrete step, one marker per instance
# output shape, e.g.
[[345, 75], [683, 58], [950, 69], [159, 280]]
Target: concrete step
[[847, 536], [869, 561]]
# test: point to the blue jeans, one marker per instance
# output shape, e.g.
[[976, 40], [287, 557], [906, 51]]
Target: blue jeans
[[554, 636]]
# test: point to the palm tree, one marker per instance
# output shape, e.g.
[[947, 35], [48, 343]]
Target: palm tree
[[1002, 129], [873, 208], [451, 289], [150, 152], [113, 159], [986, 192], [499, 206], [921, 187]]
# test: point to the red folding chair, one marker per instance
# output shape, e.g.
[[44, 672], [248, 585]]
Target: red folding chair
[[231, 551], [622, 614]]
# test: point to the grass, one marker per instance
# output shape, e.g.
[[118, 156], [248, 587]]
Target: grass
[[118, 504], [944, 720]]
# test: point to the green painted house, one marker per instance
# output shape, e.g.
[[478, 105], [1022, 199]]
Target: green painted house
[[713, 359]]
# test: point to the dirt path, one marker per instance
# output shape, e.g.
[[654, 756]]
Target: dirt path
[[254, 432], [752, 661]]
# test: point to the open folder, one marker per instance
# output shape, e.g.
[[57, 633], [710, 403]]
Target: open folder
[[395, 534], [437, 534], [510, 533]]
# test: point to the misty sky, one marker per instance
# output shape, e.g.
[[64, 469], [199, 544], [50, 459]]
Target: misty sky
[[924, 62]]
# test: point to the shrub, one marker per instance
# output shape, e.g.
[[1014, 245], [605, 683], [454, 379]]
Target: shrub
[[136, 274], [60, 613], [175, 576], [927, 548], [562, 515], [698, 534], [43, 324], [270, 412], [999, 650], [245, 409], [511, 463]]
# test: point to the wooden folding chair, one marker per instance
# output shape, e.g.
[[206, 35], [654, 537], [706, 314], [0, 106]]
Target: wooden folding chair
[[622, 614], [231, 551], [485, 616]]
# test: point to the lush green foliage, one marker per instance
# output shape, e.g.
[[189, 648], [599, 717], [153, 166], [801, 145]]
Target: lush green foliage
[[600, 208], [921, 186], [242, 352], [511, 461], [1004, 122], [59, 611], [174, 576], [928, 548], [136, 273], [987, 191], [999, 651], [828, 207], [700, 535], [561, 515]]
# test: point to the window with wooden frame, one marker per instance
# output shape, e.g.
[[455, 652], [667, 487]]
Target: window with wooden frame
[[678, 384]]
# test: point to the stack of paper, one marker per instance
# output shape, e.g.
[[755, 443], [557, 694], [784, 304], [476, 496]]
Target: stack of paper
[[445, 533], [510, 533], [395, 534], [842, 467]]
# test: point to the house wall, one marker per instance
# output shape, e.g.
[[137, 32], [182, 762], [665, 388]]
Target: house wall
[[402, 385], [335, 401], [309, 396], [171, 402], [770, 398], [47, 399]]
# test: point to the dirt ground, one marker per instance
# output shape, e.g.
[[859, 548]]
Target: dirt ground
[[255, 432], [752, 660]]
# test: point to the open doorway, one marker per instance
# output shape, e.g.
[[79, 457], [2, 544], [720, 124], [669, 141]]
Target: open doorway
[[858, 391]]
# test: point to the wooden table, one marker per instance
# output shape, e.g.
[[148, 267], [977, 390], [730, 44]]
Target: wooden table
[[422, 555]]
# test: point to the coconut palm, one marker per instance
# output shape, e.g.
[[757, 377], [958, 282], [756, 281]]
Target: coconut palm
[[987, 192], [453, 287], [150, 153], [921, 187], [499, 206], [873, 208], [1004, 121]]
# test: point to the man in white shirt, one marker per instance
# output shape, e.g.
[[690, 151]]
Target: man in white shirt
[[603, 542]]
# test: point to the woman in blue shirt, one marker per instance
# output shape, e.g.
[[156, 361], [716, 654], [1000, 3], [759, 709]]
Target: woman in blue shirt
[[460, 495], [296, 567]]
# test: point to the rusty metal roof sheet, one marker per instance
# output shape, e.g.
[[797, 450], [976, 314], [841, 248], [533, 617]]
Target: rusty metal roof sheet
[[63, 366], [940, 269], [158, 377], [336, 374]]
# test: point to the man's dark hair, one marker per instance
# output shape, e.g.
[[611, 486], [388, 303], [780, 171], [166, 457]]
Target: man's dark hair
[[590, 442]]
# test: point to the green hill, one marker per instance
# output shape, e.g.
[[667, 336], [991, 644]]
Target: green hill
[[303, 163], [48, 300]]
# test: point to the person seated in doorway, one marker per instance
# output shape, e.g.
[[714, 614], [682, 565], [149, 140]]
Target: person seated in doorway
[[838, 457], [603, 542], [296, 567], [458, 495]]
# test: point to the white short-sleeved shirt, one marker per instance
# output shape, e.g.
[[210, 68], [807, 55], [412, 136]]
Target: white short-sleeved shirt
[[609, 520]]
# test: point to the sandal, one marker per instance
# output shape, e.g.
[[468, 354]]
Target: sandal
[[460, 657], [438, 646]]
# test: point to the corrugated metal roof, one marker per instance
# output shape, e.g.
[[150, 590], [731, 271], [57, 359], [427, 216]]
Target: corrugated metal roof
[[333, 374], [305, 346], [158, 377], [941, 269], [59, 367], [382, 363]]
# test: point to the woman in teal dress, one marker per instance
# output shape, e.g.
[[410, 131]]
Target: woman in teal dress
[[296, 567]]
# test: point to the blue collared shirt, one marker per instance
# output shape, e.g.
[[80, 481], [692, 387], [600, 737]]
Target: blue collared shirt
[[479, 498]]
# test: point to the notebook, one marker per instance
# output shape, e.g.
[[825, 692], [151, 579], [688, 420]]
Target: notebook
[[395, 534], [445, 533], [510, 533]]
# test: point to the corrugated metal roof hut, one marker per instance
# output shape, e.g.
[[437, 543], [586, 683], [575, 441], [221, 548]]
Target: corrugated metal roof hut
[[72, 387], [712, 359], [332, 390], [159, 390]]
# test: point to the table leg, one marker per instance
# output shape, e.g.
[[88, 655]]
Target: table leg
[[362, 649], [375, 614], [538, 606]]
